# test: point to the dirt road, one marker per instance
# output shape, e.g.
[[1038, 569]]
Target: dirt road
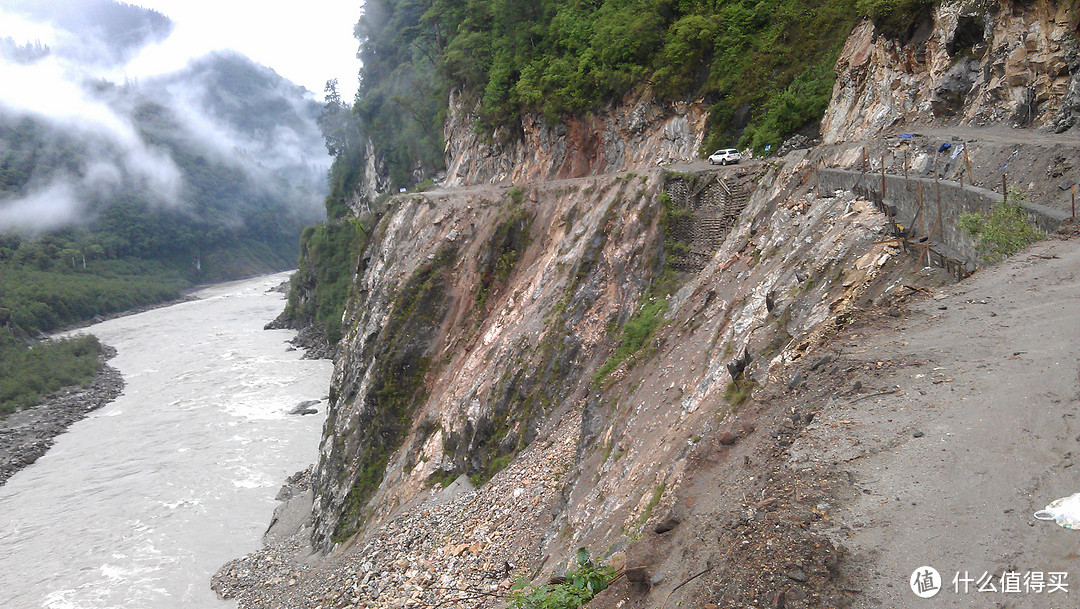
[[976, 430]]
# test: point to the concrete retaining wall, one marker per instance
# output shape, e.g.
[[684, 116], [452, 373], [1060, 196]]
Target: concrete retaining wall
[[945, 200]]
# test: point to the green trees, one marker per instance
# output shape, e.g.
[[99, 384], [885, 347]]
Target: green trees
[[763, 66], [29, 374], [401, 102], [50, 293], [327, 265], [129, 249], [336, 122]]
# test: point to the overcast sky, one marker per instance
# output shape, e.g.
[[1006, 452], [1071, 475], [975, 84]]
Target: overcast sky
[[307, 42]]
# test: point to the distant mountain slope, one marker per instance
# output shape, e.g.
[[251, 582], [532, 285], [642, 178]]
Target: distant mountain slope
[[117, 194], [100, 32]]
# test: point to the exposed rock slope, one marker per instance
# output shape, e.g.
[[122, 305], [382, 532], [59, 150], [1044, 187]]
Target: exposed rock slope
[[445, 373], [972, 63], [637, 133]]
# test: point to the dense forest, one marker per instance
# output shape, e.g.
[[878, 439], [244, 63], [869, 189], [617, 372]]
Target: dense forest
[[764, 67]]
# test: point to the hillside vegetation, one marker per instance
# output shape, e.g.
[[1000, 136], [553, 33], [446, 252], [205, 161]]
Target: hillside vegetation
[[131, 242], [764, 67], [27, 375]]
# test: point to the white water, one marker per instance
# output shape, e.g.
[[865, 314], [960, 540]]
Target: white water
[[139, 504]]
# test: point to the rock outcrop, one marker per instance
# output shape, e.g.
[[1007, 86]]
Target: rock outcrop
[[973, 64], [463, 339], [635, 134]]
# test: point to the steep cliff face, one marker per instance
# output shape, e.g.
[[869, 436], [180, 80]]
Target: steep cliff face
[[611, 353], [475, 318], [373, 184], [972, 63], [636, 133], [482, 319]]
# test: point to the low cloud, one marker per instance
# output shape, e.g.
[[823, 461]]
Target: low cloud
[[66, 91], [99, 33], [52, 207]]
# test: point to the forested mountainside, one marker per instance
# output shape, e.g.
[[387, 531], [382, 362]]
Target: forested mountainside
[[764, 69], [203, 212], [117, 194]]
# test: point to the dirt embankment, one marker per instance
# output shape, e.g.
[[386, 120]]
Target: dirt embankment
[[924, 433], [964, 426]]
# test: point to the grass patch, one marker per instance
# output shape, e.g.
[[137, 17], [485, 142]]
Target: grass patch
[[495, 466], [654, 501], [442, 478], [739, 390], [893, 18], [635, 335], [28, 374], [1002, 232]]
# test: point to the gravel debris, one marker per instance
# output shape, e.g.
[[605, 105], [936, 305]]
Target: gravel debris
[[466, 551]]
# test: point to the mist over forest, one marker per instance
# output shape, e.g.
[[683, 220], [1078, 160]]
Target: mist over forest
[[206, 173]]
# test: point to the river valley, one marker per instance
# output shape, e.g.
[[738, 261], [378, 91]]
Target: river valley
[[139, 503]]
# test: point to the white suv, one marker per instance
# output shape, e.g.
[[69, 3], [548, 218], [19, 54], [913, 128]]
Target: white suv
[[725, 156]]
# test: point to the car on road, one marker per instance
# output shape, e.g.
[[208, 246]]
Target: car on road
[[725, 156]]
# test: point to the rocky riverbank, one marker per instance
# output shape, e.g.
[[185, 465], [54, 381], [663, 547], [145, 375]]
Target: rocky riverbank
[[311, 338], [456, 545], [28, 434]]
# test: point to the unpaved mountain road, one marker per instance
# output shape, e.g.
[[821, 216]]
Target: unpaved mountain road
[[997, 134], [977, 429]]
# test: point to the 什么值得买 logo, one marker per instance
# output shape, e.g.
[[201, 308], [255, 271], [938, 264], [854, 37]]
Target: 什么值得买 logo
[[925, 582]]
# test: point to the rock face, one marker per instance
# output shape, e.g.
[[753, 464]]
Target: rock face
[[465, 344], [475, 318], [374, 183], [634, 134], [973, 64], [475, 343]]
